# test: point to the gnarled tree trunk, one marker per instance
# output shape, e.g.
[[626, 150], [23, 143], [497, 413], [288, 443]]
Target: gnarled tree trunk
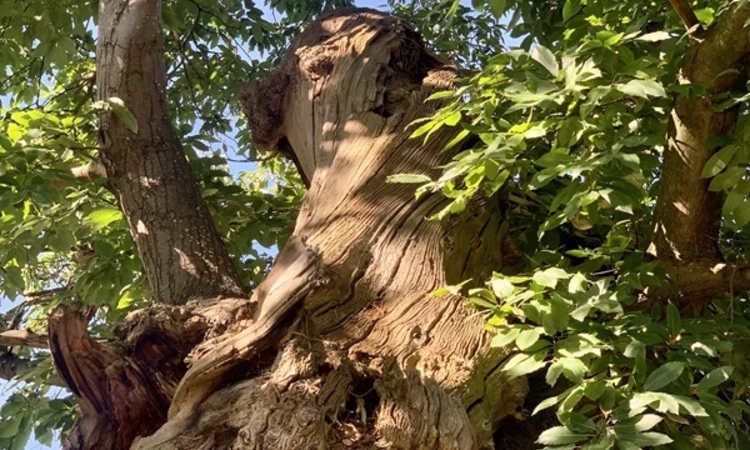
[[346, 346]]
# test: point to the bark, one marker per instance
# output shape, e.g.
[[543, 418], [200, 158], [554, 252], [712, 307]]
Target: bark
[[347, 349], [22, 338], [182, 253], [124, 387], [687, 214]]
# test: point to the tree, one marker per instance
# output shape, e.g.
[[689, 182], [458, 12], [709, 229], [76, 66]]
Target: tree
[[585, 196]]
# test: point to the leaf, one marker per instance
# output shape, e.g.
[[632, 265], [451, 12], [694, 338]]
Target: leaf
[[452, 11], [578, 422], [497, 7], [101, 218], [674, 323], [656, 36], [574, 369], [647, 422], [642, 89], [664, 375], [504, 339], [570, 9], [651, 439], [24, 432], [523, 364], [715, 378], [14, 276], [546, 58], [549, 277], [561, 436], [502, 287], [124, 114], [558, 318], [408, 178], [9, 426], [691, 406], [718, 162], [553, 373], [527, 338]]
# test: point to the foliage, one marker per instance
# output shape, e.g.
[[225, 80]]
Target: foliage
[[569, 128]]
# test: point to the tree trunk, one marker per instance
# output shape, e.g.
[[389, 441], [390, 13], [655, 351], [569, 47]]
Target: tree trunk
[[342, 344], [348, 348]]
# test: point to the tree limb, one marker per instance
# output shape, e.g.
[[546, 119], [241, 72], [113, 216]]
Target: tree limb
[[687, 213], [23, 338], [183, 254], [685, 11]]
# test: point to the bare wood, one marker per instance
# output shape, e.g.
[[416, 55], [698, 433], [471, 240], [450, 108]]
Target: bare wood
[[23, 338], [685, 11]]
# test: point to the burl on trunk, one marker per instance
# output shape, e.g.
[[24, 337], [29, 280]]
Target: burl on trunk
[[346, 348]]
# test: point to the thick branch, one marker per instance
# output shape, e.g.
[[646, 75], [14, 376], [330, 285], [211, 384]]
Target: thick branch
[[183, 254], [687, 214], [685, 11], [22, 338]]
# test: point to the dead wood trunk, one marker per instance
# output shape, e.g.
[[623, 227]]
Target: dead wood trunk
[[348, 349]]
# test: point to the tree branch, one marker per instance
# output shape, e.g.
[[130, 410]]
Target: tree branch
[[687, 214], [183, 254], [685, 11], [22, 338]]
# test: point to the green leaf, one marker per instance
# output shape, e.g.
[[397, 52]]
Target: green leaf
[[558, 317], [571, 8], [523, 364], [574, 369], [497, 7], [502, 287], [503, 339], [408, 178], [642, 89], [24, 432], [546, 58], [549, 277], [9, 426], [102, 218], [715, 378], [691, 406], [664, 375], [124, 114], [553, 372], [561, 436], [674, 323], [718, 162], [651, 439], [527, 338]]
